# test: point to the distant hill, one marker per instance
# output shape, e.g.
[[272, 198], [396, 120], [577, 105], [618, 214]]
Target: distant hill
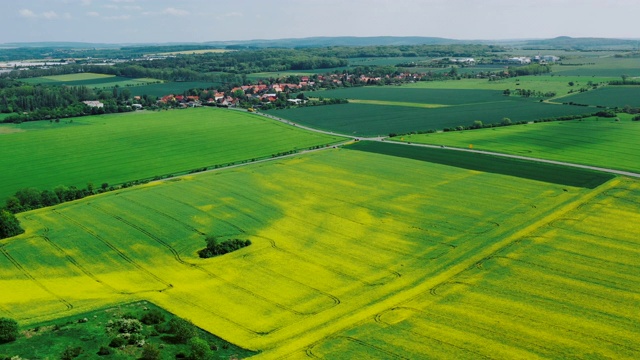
[[587, 43], [339, 41], [561, 42]]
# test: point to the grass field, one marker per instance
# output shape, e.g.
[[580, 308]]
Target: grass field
[[119, 148], [91, 80], [611, 96], [592, 141], [372, 120], [353, 255]]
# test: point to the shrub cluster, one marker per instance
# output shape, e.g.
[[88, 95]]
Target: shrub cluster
[[215, 248]]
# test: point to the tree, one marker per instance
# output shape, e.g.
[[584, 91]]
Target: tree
[[506, 121], [9, 226], [200, 350], [150, 352], [624, 78], [477, 124], [8, 330], [183, 330]]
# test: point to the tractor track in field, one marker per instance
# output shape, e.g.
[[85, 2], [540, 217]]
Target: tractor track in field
[[115, 249], [185, 225], [191, 206], [73, 261], [450, 321], [543, 303], [309, 350], [177, 257], [328, 250], [315, 263], [28, 275]]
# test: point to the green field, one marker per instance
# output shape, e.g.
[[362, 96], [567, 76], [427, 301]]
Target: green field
[[353, 255], [601, 142], [373, 120], [91, 80], [610, 96], [602, 66], [486, 163], [125, 147], [415, 95], [167, 88]]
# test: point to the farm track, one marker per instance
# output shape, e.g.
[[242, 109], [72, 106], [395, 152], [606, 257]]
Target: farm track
[[28, 275], [177, 257]]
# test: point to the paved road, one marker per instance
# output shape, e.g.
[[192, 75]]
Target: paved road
[[382, 138]]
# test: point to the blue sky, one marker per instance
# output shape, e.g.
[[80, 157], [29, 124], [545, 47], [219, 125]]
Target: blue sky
[[140, 21]]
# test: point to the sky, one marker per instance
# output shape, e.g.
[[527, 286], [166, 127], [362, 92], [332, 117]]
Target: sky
[[161, 21]]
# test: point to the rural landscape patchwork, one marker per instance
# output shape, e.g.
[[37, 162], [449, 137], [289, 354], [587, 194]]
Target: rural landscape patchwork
[[321, 198]]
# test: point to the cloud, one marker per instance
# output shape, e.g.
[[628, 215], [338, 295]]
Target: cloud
[[27, 13], [119, 17], [85, 2], [49, 15], [132, 7], [93, 13], [229, 15], [113, 7], [175, 12]]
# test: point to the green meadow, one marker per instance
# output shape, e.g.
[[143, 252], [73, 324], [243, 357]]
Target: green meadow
[[601, 142], [125, 147]]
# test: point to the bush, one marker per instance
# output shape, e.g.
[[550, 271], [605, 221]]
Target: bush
[[200, 350], [104, 351], [8, 330], [150, 352], [183, 330], [117, 342], [71, 352], [214, 248], [152, 317]]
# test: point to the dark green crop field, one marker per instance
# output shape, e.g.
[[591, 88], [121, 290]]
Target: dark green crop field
[[170, 88], [373, 120], [612, 96], [415, 95], [493, 164]]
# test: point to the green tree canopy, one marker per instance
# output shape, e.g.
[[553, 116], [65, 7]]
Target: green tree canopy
[[9, 225], [8, 330]]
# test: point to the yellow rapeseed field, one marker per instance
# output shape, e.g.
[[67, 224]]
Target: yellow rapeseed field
[[353, 255]]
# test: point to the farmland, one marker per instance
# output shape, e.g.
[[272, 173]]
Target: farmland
[[91, 80], [347, 249], [125, 147], [374, 119], [610, 96], [592, 141]]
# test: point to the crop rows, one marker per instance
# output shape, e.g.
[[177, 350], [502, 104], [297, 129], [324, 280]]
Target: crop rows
[[567, 290], [594, 141]]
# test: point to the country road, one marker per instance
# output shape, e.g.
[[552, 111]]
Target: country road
[[382, 139]]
